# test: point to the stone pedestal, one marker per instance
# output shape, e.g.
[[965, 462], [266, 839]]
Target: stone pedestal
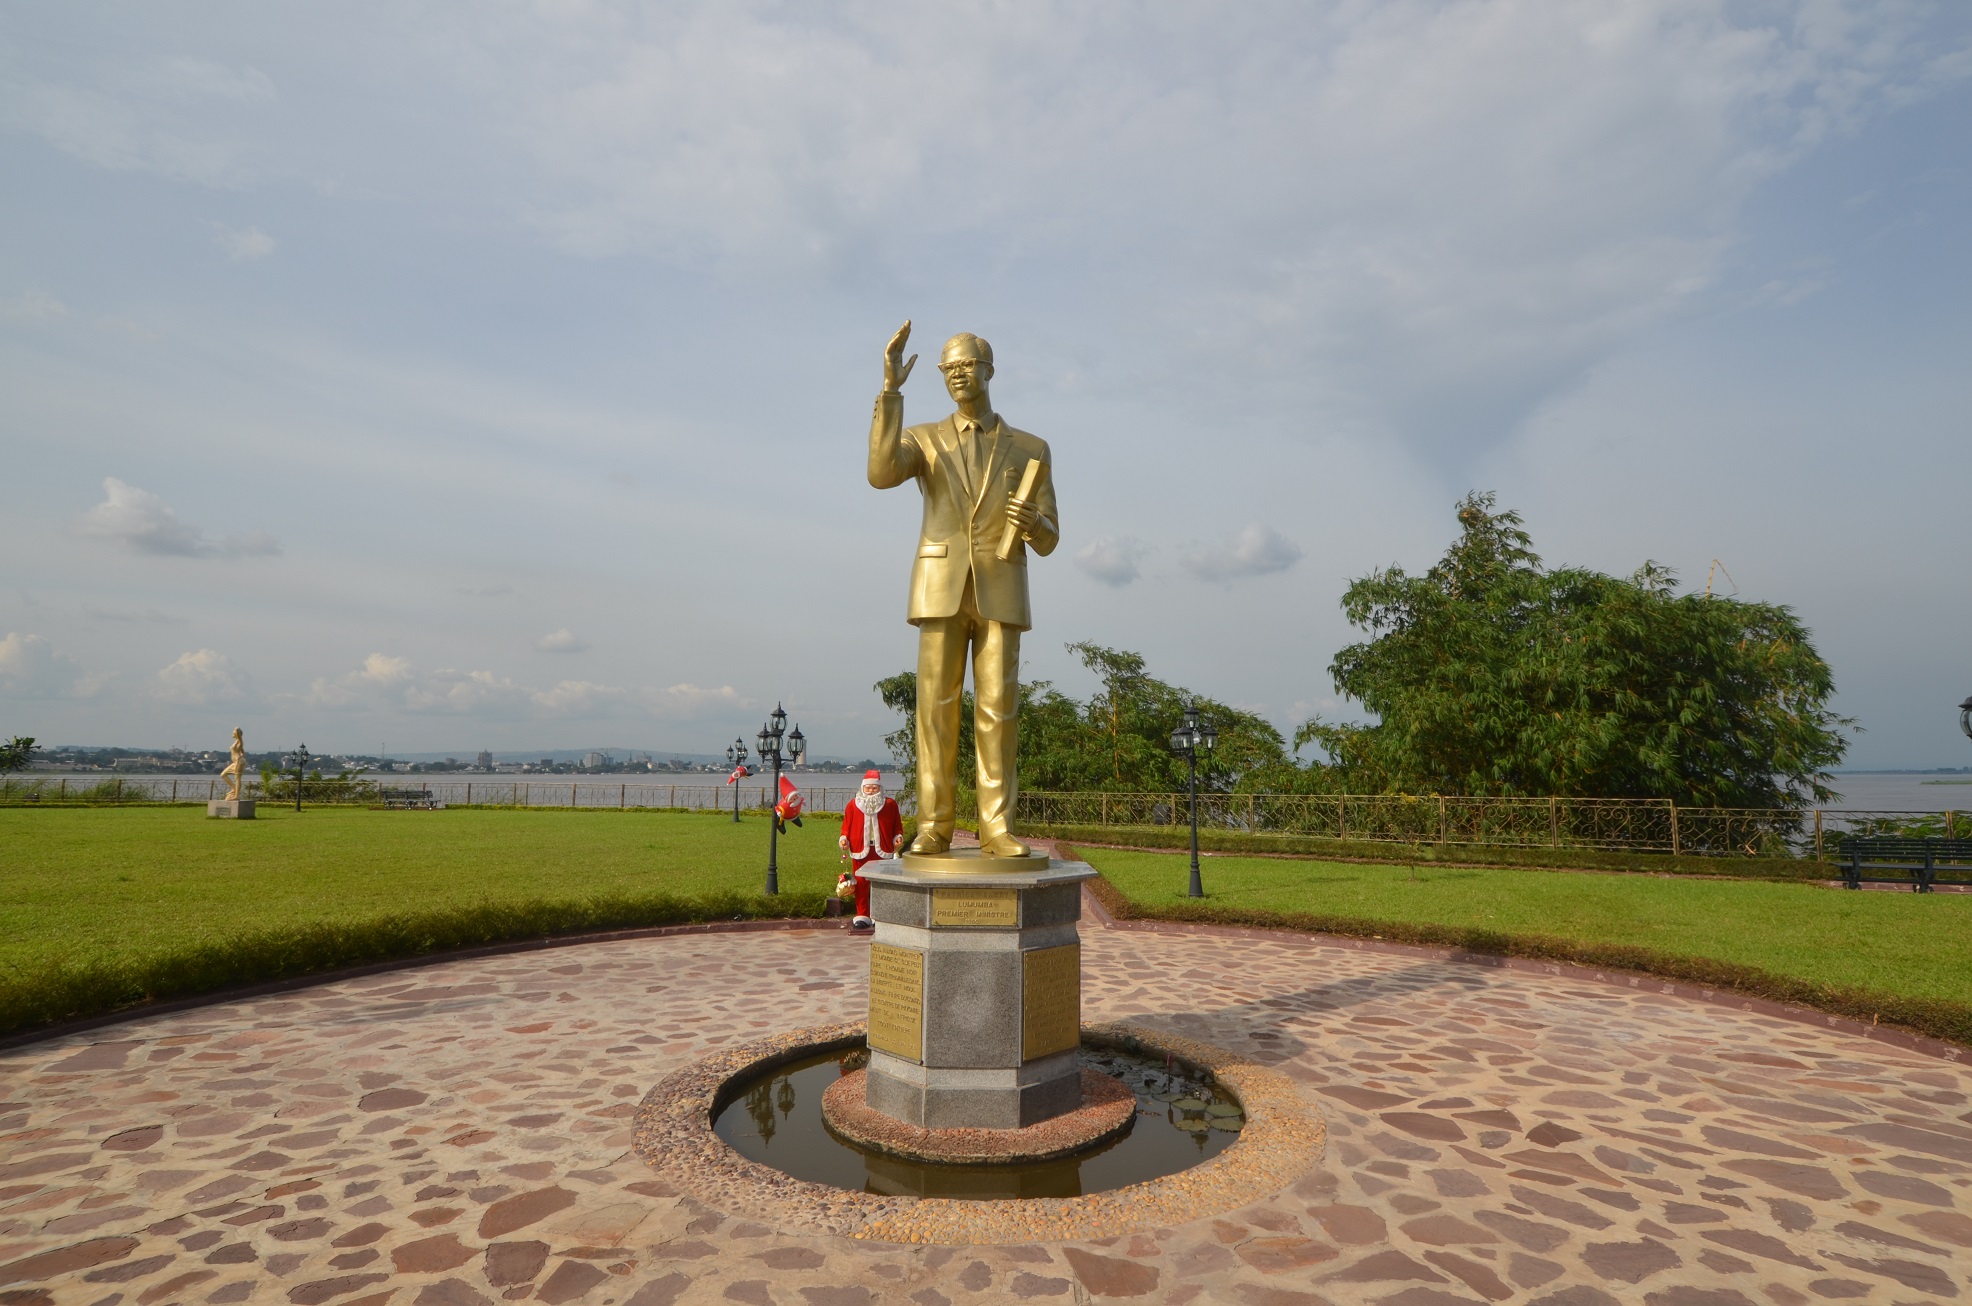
[[233, 809], [975, 990]]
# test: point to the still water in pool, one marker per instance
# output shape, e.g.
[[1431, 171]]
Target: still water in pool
[[1181, 1121]]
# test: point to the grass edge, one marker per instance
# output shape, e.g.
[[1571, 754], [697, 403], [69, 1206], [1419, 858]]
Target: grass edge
[[56, 992], [1939, 1018]]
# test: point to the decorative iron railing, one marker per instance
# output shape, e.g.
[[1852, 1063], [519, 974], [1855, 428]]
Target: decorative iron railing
[[1603, 824]]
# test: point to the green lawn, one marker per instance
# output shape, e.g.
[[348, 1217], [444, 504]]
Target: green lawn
[[1913, 945], [101, 907], [108, 883]]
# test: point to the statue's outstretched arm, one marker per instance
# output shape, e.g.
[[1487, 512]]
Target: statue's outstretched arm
[[893, 459]]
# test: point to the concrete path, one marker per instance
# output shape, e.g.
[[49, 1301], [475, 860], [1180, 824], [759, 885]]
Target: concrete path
[[459, 1135]]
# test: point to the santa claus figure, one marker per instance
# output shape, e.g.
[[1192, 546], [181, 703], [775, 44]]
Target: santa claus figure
[[872, 830]]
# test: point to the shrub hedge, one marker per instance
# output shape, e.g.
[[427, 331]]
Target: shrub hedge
[[1165, 837]]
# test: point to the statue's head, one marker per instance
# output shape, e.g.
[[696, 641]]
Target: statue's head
[[968, 365], [236, 734]]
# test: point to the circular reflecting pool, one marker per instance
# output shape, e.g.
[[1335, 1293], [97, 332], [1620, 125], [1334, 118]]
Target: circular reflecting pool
[[1182, 1118]]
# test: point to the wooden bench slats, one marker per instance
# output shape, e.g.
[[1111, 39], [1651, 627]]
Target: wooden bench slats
[[1920, 862]]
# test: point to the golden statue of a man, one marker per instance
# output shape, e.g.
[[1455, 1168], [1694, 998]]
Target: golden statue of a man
[[969, 585], [235, 768]]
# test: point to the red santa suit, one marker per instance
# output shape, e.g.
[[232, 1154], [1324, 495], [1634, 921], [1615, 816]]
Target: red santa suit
[[870, 835]]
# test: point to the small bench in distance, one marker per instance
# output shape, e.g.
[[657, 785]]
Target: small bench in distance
[[1920, 863]]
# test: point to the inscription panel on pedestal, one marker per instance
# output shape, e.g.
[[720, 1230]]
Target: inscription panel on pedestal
[[1050, 1000], [960, 905], [897, 1001]]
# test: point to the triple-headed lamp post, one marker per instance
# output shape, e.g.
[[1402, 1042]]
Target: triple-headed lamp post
[[300, 766], [736, 759], [769, 740], [1197, 732]]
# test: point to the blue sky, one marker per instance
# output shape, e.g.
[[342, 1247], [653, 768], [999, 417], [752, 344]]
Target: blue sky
[[499, 376]]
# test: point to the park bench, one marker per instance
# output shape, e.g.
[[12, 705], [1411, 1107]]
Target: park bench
[[412, 800], [1920, 863]]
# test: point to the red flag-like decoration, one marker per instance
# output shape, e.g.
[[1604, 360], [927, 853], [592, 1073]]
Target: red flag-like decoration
[[789, 807], [739, 773]]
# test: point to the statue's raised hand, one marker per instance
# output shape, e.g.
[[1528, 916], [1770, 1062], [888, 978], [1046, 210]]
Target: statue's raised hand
[[896, 369]]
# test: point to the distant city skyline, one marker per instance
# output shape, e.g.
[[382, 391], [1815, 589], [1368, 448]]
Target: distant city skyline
[[414, 375]]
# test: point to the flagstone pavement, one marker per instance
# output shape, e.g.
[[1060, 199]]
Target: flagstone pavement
[[459, 1135]]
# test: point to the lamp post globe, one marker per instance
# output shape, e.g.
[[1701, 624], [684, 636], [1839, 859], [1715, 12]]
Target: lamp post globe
[[1965, 717]]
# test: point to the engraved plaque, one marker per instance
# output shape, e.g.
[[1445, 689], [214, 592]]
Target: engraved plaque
[[962, 906], [1050, 1000], [897, 1001]]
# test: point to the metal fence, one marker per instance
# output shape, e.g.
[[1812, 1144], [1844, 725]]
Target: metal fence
[[1603, 824], [1638, 825], [450, 793]]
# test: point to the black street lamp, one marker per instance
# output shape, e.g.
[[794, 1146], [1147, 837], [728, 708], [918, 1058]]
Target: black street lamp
[[769, 740], [1965, 717], [300, 765], [1196, 732], [736, 758]]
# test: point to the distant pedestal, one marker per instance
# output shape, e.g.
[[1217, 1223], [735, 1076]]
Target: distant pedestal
[[975, 990], [232, 809]]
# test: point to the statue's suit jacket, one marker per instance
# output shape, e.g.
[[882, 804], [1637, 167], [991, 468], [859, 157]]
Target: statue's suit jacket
[[964, 511]]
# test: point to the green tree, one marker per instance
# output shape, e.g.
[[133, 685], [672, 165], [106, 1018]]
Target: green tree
[[1119, 740], [1490, 674], [17, 752]]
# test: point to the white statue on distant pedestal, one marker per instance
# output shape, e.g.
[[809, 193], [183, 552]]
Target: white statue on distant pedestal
[[236, 768], [232, 806]]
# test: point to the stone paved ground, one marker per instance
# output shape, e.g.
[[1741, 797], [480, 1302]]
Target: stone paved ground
[[458, 1134]]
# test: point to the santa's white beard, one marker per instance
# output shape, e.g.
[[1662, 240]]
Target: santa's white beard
[[872, 807]]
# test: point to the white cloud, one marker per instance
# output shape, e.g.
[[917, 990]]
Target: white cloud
[[31, 667], [206, 678], [243, 246], [145, 523], [142, 521], [1113, 559], [1413, 212], [1255, 551], [579, 698], [385, 683], [561, 641], [34, 306], [175, 117], [689, 700]]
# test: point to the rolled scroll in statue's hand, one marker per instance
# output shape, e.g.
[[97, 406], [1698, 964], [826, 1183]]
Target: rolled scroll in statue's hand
[[1025, 493]]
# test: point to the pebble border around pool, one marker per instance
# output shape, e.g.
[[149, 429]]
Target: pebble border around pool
[[1283, 1140]]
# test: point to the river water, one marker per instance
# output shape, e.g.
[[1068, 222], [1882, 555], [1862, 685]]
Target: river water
[[830, 791]]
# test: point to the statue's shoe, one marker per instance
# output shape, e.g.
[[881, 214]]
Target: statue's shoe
[[1003, 845], [930, 843]]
